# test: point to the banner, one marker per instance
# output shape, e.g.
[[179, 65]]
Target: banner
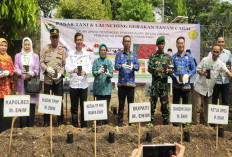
[[143, 37]]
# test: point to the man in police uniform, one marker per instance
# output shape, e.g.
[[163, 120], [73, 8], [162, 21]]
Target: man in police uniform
[[160, 66], [52, 63]]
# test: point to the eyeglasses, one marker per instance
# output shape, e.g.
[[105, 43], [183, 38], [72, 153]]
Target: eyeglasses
[[180, 43], [55, 37]]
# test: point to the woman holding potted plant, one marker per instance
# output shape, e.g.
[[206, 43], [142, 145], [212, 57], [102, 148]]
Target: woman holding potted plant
[[27, 65], [6, 83], [103, 72]]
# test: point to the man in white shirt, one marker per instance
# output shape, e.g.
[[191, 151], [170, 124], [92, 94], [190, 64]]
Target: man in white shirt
[[78, 64], [203, 85], [222, 85]]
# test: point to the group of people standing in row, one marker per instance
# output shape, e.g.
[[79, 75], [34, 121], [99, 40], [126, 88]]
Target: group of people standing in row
[[54, 64]]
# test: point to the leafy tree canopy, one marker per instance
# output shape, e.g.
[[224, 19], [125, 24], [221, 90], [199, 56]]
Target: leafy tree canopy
[[18, 17], [80, 9], [135, 10], [47, 6]]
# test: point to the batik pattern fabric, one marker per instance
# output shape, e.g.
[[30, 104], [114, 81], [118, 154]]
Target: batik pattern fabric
[[126, 77]]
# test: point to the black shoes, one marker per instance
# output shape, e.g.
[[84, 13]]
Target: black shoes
[[46, 124], [165, 122]]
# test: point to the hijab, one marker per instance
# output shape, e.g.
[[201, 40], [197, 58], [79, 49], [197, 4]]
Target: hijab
[[31, 50], [26, 57], [4, 57], [103, 59]]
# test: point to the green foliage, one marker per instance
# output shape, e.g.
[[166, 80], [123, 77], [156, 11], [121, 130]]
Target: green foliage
[[80, 9], [186, 125], [18, 17], [191, 8], [47, 6], [135, 10], [179, 8], [149, 126], [197, 9], [108, 8], [218, 22], [115, 4]]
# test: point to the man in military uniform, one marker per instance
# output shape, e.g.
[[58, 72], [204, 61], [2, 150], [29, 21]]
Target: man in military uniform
[[52, 63], [160, 66]]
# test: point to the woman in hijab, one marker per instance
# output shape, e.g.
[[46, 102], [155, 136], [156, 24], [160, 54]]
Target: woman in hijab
[[27, 65], [6, 84], [103, 72]]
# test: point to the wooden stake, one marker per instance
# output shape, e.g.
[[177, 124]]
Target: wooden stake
[[181, 127], [217, 132], [51, 126], [95, 141], [139, 136], [66, 105], [51, 131], [95, 136], [139, 127], [11, 132]]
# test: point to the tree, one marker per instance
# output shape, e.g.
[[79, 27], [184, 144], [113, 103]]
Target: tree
[[178, 8], [79, 9], [17, 16], [135, 10], [47, 6], [172, 8], [108, 8], [115, 4], [193, 9], [197, 9]]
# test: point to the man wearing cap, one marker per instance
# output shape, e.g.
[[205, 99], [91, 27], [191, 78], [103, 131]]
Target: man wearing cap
[[126, 62], [160, 66], [52, 63]]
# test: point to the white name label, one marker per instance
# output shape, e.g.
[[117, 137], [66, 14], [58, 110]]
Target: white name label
[[181, 113], [95, 110], [16, 105], [139, 112], [50, 104], [218, 114]]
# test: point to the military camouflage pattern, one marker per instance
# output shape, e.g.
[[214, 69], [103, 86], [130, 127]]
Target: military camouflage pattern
[[159, 86]]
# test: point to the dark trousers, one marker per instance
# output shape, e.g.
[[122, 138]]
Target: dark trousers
[[28, 121], [107, 98], [57, 89], [124, 92], [224, 89], [177, 93], [5, 122], [163, 94], [75, 95]]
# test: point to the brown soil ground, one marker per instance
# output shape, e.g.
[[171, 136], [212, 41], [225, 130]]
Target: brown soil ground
[[28, 142]]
